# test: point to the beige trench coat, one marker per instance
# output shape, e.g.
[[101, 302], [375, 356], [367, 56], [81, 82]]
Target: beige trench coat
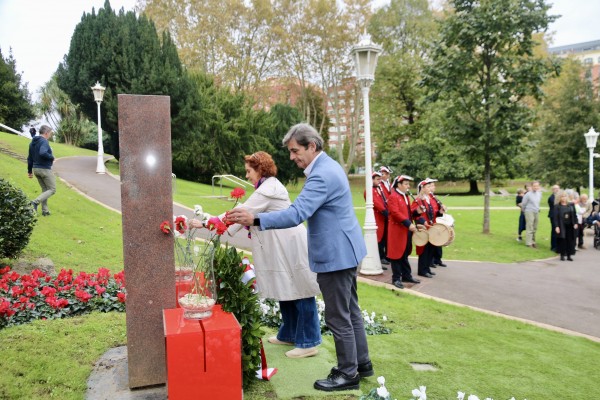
[[280, 255]]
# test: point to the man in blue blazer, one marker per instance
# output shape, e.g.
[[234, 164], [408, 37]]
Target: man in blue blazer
[[335, 249]]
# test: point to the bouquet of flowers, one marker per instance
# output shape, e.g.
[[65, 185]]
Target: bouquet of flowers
[[194, 259]]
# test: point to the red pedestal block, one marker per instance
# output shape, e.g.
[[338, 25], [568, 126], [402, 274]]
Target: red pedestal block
[[203, 357]]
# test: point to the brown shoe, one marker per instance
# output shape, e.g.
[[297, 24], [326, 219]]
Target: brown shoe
[[274, 340], [302, 353]]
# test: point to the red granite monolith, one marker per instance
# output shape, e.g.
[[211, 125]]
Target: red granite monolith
[[146, 201]]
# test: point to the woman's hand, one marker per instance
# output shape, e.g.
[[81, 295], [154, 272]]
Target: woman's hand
[[557, 230], [194, 223]]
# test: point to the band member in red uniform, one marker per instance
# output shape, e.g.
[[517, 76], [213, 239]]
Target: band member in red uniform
[[400, 231], [380, 209], [423, 214], [438, 210], [386, 184]]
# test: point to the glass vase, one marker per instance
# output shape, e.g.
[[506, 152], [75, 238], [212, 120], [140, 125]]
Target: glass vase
[[184, 261], [199, 296]]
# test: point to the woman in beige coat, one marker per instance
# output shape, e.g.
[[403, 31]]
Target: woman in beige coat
[[281, 261]]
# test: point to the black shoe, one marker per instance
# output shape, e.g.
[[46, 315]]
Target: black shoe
[[569, 258], [411, 280], [427, 275], [384, 268], [337, 380], [385, 262], [34, 205], [562, 258], [45, 213], [433, 266], [441, 264], [432, 273], [365, 369], [398, 284]]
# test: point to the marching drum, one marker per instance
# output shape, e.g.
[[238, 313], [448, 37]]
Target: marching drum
[[441, 234], [445, 219], [420, 238]]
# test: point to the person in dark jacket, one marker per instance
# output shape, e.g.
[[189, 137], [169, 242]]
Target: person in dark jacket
[[565, 224], [39, 163], [551, 201]]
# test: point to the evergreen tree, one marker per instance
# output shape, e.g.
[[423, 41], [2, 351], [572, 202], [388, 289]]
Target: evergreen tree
[[15, 102], [126, 55]]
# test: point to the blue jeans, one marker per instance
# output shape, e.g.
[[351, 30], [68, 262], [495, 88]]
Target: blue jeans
[[300, 323]]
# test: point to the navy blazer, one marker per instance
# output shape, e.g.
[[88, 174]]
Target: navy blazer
[[335, 240]]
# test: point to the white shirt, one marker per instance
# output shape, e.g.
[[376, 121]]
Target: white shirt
[[312, 163]]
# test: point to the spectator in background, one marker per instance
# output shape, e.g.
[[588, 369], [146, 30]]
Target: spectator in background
[[565, 222], [380, 209], [584, 209], [39, 163], [518, 201], [551, 201], [531, 208]]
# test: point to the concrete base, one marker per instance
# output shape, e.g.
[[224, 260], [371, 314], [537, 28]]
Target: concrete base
[[110, 377]]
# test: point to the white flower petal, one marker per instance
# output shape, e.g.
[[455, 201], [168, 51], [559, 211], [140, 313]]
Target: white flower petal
[[381, 380]]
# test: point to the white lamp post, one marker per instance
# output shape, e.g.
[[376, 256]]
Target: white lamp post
[[98, 95], [590, 139], [365, 57]]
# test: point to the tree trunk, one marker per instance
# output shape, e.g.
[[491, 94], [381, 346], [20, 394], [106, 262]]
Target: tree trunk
[[473, 187], [486, 195]]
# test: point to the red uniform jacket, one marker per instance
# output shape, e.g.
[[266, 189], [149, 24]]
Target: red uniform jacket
[[380, 209], [424, 218], [399, 221]]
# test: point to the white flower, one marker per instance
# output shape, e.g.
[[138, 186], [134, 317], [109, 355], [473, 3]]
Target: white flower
[[196, 250], [373, 315], [198, 210], [460, 395], [381, 380], [472, 397], [383, 392], [384, 318], [420, 392], [489, 398]]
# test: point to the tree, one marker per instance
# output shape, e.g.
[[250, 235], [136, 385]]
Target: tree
[[124, 53], [15, 102], [560, 155], [483, 66], [284, 116], [66, 119], [406, 30]]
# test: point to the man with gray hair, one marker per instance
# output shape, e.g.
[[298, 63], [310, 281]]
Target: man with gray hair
[[39, 163], [531, 208], [335, 249]]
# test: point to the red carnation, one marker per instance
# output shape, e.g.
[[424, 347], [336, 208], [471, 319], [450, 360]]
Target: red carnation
[[237, 193], [180, 224], [165, 227]]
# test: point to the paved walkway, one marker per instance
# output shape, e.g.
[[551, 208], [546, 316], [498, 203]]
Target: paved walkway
[[563, 295]]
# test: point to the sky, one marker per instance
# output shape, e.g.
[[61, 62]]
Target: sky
[[39, 31]]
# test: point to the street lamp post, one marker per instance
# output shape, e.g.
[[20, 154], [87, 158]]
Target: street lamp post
[[98, 96], [590, 138], [365, 57]]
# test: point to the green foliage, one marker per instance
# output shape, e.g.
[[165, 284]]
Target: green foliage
[[15, 102], [17, 220], [570, 108], [239, 298], [483, 68], [284, 117]]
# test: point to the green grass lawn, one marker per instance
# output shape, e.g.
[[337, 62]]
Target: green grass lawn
[[474, 352]]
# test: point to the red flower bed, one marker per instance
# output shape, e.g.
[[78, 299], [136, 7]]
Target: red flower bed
[[24, 298]]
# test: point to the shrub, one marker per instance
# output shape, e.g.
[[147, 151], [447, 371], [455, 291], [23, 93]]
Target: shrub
[[17, 220], [239, 298]]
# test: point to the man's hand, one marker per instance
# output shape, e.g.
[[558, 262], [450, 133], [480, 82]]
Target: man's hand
[[240, 216]]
